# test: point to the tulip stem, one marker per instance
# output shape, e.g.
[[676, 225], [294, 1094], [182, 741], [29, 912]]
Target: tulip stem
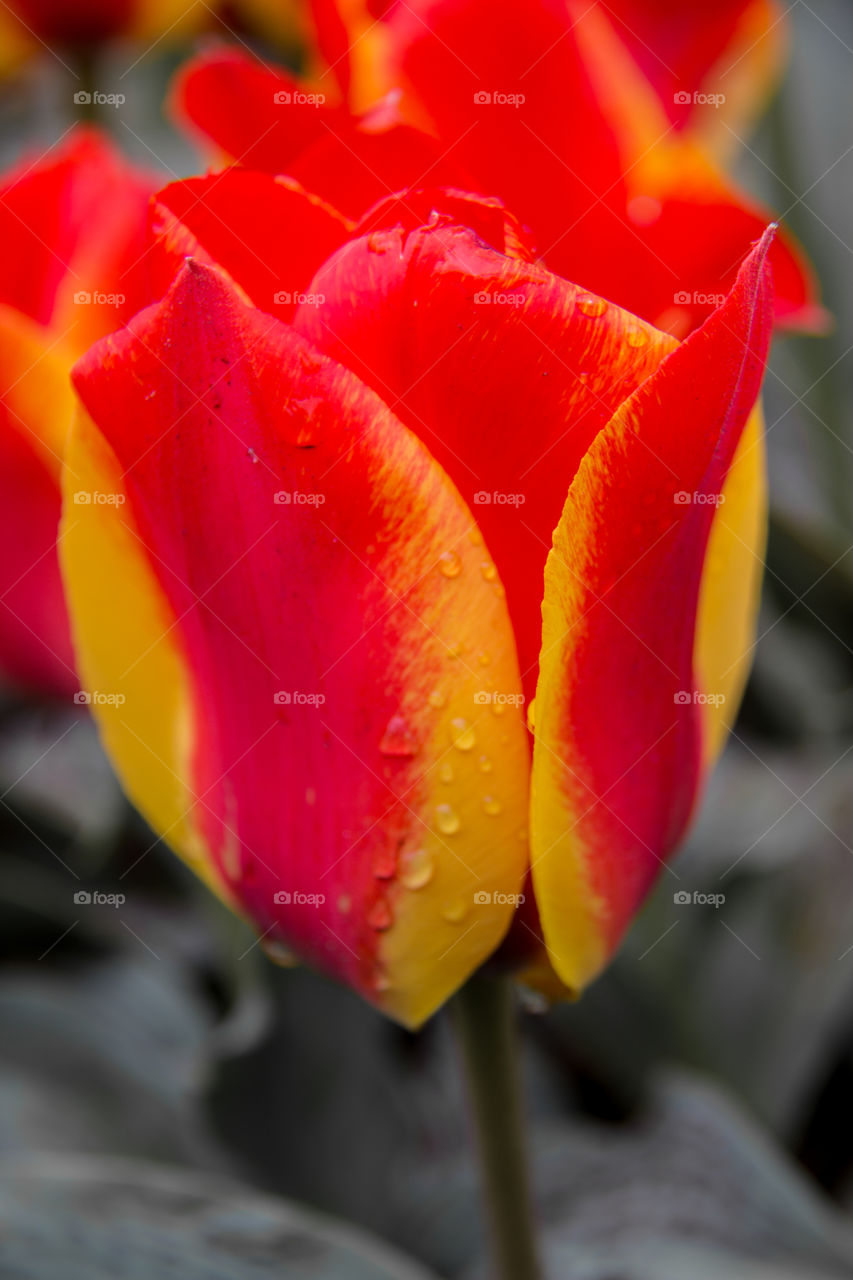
[[483, 1014]]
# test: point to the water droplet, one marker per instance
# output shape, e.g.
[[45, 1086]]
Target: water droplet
[[381, 982], [379, 916], [436, 698], [251, 453], [475, 537], [591, 306], [149, 395], [488, 571], [484, 764], [461, 734], [445, 773], [398, 738], [447, 819], [491, 805], [416, 868], [637, 337], [279, 954], [385, 864], [449, 564], [455, 910], [498, 708], [344, 904], [484, 658], [531, 715]]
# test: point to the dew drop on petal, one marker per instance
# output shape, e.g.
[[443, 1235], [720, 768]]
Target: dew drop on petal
[[436, 698], [398, 738], [591, 306], [379, 916], [279, 954], [416, 868], [445, 772], [484, 764], [385, 864], [449, 564], [637, 337], [447, 819], [462, 734], [491, 805], [488, 571], [455, 910], [344, 904]]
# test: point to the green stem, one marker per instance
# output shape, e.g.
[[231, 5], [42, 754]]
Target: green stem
[[484, 1019]]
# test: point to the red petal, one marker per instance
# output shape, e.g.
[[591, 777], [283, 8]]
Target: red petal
[[506, 373], [334, 642], [619, 732]]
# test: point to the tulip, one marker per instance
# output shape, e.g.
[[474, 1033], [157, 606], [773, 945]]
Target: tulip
[[73, 226], [555, 115], [340, 553]]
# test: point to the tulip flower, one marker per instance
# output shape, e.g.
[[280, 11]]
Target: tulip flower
[[73, 225], [555, 115], [341, 551]]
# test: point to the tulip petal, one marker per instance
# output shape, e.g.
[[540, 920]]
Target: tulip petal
[[36, 403], [619, 734], [320, 580], [73, 228], [506, 373], [350, 162], [216, 219]]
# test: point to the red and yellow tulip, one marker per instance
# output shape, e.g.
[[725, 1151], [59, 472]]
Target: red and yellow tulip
[[73, 228], [371, 491]]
